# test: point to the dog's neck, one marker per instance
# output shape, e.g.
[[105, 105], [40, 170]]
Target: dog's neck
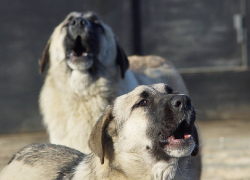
[[92, 169], [85, 86], [106, 83]]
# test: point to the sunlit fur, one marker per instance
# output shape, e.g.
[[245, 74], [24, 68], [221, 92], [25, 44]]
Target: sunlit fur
[[71, 101], [124, 143]]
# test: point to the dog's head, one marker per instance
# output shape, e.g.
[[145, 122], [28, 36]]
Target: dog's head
[[85, 44], [151, 122]]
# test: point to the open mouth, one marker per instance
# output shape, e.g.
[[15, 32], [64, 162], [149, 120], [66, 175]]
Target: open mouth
[[79, 52], [180, 137]]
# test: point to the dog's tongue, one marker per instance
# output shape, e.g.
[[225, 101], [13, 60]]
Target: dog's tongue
[[85, 56], [173, 140], [187, 136]]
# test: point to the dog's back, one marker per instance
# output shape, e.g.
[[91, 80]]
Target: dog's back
[[155, 69], [42, 161]]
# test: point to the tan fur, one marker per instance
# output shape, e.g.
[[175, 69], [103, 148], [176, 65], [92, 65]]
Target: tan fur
[[155, 69], [138, 63], [25, 172], [118, 143], [71, 102]]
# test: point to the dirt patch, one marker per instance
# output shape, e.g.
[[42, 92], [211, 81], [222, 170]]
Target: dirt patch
[[226, 150]]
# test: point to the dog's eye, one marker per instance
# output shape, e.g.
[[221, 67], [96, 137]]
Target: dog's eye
[[143, 103]]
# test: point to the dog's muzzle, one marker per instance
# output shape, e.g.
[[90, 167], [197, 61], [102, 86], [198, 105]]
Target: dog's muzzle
[[78, 25], [180, 142], [80, 54]]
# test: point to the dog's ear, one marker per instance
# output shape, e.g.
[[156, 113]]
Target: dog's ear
[[97, 136], [45, 58], [196, 140], [121, 60]]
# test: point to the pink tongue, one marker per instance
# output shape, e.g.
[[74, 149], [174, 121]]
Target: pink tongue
[[78, 58], [173, 139], [187, 136]]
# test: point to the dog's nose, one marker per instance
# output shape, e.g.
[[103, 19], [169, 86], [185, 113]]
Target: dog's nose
[[78, 22], [181, 101]]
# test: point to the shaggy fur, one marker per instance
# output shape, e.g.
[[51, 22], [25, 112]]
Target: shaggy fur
[[141, 136], [87, 70]]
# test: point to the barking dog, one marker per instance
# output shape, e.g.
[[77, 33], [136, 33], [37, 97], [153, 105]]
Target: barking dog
[[141, 135], [87, 70]]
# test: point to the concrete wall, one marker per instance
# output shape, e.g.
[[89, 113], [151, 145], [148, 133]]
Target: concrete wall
[[192, 34], [26, 25]]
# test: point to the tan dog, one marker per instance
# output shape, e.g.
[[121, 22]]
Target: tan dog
[[88, 69], [140, 136]]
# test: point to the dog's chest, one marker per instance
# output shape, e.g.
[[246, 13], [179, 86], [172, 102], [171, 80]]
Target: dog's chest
[[87, 87], [86, 109], [77, 117], [84, 104], [87, 97], [74, 109]]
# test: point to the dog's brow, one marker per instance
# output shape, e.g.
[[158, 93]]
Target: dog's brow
[[168, 89], [144, 94]]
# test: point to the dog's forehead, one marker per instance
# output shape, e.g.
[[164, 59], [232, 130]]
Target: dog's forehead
[[88, 15], [162, 88], [140, 90], [135, 94], [69, 17], [151, 90]]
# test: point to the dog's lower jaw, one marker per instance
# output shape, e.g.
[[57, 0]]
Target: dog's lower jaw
[[165, 170]]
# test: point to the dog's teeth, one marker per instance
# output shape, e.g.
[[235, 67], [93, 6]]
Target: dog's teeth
[[84, 54], [72, 54]]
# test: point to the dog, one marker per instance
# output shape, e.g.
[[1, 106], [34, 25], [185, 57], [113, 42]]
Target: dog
[[141, 135], [87, 70]]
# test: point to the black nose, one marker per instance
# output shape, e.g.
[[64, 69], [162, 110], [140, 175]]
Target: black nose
[[78, 22], [181, 101]]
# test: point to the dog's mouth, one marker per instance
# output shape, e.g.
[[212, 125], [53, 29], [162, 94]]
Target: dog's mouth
[[80, 51], [181, 134], [80, 56], [179, 140]]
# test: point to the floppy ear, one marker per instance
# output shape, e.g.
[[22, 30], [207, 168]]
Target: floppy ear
[[45, 58], [121, 60], [196, 140], [97, 136]]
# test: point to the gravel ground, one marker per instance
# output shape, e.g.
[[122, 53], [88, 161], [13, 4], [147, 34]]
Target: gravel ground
[[225, 148]]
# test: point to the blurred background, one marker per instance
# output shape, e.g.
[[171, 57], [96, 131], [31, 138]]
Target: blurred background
[[208, 41]]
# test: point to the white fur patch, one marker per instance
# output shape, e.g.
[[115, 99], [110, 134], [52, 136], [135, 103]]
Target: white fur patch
[[165, 170]]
